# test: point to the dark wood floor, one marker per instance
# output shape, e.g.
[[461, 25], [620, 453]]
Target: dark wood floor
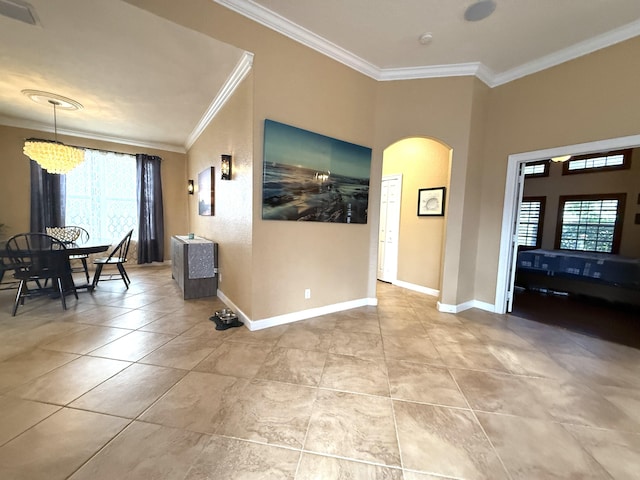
[[612, 322]]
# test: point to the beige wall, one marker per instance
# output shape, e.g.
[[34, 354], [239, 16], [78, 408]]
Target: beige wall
[[15, 189], [616, 181], [443, 109], [230, 132], [297, 86], [423, 163], [591, 98]]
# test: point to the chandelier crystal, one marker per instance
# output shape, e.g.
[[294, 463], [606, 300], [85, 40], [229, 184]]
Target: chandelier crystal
[[52, 155]]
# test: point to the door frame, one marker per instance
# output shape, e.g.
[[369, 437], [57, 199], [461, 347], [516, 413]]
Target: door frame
[[511, 204]]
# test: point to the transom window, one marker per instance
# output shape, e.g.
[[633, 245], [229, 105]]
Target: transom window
[[537, 169], [590, 223], [598, 162], [530, 226]]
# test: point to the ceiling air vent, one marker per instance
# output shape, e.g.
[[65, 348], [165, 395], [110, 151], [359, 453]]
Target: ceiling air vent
[[18, 10]]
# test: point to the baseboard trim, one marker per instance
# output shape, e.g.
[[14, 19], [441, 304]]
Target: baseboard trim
[[417, 288], [262, 323], [292, 317], [461, 307]]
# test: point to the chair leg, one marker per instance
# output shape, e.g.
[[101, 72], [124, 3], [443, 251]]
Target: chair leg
[[18, 297], [86, 269], [126, 275], [96, 275], [123, 274], [61, 292], [72, 285]]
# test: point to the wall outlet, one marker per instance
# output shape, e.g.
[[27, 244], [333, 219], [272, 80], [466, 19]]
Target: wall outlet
[[307, 293]]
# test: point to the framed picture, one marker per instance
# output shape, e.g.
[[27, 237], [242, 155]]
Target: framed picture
[[206, 199], [310, 177], [431, 202]]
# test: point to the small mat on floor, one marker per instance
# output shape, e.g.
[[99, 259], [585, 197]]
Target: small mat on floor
[[220, 325]]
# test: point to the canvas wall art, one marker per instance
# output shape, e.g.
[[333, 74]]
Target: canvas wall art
[[312, 177]]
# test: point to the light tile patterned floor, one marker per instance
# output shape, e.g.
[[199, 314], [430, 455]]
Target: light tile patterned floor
[[138, 384]]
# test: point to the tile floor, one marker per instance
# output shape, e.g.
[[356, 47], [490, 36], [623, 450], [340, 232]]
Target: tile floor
[[138, 384]]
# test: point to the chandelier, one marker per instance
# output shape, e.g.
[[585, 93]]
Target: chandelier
[[52, 155]]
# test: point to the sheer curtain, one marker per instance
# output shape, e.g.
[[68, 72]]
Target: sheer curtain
[[101, 195], [47, 199], [150, 209]]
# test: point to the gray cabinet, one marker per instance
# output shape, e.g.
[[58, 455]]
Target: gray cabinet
[[194, 265]]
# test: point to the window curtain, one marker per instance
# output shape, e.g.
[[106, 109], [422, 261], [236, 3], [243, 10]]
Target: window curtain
[[47, 199], [150, 210]]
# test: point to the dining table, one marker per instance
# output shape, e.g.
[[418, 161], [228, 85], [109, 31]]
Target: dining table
[[71, 249]]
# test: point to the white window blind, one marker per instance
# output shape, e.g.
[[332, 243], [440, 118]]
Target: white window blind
[[596, 162], [589, 225], [529, 227], [536, 169]]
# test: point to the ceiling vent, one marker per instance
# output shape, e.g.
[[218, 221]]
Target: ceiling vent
[[21, 11]]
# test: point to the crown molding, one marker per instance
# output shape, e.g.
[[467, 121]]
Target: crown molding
[[272, 20], [31, 125], [434, 71], [238, 74], [580, 49]]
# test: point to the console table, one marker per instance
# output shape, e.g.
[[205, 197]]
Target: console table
[[194, 265]]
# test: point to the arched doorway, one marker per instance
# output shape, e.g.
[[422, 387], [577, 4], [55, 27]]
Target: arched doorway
[[410, 246]]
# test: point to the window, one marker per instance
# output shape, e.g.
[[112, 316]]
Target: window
[[598, 162], [537, 169], [101, 195], [591, 223], [530, 226]]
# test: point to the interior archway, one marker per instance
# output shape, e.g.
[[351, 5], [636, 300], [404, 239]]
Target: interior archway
[[422, 163]]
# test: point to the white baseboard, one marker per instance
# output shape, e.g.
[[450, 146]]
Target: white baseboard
[[461, 307], [417, 288], [254, 325], [295, 316], [241, 315]]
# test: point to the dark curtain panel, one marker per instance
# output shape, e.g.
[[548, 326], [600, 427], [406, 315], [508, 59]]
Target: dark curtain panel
[[150, 212], [48, 199]]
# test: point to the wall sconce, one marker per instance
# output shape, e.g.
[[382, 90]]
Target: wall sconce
[[190, 187], [225, 167]]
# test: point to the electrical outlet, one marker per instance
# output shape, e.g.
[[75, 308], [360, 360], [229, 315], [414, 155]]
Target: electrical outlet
[[307, 293]]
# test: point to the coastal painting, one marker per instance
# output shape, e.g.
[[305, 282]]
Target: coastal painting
[[313, 178]]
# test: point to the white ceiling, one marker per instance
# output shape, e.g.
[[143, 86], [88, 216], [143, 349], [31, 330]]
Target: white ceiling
[[140, 78], [144, 80], [380, 37]]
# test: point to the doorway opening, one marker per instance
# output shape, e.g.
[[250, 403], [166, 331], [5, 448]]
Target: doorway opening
[[410, 246], [506, 291]]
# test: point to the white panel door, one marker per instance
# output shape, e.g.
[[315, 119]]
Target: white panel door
[[390, 201], [511, 287]]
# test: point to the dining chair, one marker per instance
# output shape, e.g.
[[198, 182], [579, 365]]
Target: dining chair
[[38, 257], [76, 236], [117, 257]]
